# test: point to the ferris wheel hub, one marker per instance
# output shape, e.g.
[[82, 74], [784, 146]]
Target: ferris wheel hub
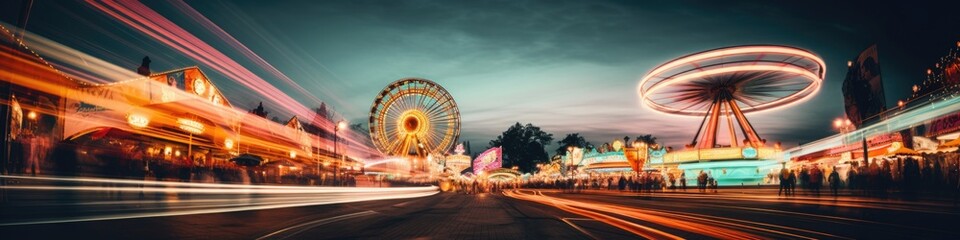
[[413, 122]]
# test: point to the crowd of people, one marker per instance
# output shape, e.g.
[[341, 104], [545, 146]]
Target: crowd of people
[[643, 182], [476, 187], [935, 173]]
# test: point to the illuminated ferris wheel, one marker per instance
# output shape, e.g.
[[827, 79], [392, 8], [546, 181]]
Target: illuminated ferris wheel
[[414, 117]]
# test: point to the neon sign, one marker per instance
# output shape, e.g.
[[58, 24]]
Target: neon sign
[[190, 126], [138, 120]]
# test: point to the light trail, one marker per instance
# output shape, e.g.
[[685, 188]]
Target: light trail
[[593, 210], [153, 24], [88, 69], [201, 198], [213, 28], [695, 225], [204, 185], [297, 229], [385, 161], [748, 198], [142, 18], [836, 202], [634, 228]]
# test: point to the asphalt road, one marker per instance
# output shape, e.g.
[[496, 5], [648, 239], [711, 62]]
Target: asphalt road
[[769, 216], [532, 214], [440, 216]]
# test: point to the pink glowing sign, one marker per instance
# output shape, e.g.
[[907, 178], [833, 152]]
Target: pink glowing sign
[[488, 160]]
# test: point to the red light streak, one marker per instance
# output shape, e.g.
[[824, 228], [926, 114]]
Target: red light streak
[[592, 210], [149, 22]]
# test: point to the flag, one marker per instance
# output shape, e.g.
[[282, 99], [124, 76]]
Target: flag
[[863, 95]]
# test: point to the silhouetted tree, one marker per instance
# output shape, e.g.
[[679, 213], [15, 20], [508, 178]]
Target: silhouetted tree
[[144, 68], [323, 112], [647, 138], [259, 111], [358, 127], [572, 139], [523, 146]]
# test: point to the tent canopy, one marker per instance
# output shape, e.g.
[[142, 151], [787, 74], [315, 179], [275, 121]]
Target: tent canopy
[[951, 143]]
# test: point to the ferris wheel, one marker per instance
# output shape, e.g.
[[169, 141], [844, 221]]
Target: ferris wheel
[[414, 117], [730, 82]]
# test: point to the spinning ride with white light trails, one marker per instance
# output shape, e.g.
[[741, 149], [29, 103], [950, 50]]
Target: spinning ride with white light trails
[[414, 117], [730, 82]]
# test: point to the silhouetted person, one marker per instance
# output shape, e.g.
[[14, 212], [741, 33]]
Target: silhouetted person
[[793, 183], [144, 68], [702, 181], [816, 178], [834, 181], [683, 181], [804, 178], [784, 181], [622, 183]]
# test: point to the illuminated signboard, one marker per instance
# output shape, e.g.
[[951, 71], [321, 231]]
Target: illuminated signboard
[[720, 153], [217, 99], [199, 86], [689, 155], [190, 126], [767, 153], [488, 160], [749, 152], [138, 120], [656, 155]]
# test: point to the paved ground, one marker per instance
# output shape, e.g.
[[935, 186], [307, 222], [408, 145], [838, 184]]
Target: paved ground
[[524, 214], [770, 216], [441, 216]]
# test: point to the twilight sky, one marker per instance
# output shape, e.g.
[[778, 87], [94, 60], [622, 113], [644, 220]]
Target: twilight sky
[[566, 66]]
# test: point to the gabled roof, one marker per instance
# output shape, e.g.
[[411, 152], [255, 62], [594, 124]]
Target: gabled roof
[[294, 123], [210, 91]]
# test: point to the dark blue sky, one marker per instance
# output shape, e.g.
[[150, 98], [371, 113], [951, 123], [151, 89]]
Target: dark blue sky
[[567, 66]]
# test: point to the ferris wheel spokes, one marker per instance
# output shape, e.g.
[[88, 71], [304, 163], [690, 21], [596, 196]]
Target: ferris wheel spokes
[[414, 116]]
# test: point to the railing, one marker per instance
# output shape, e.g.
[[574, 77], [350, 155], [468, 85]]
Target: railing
[[911, 114]]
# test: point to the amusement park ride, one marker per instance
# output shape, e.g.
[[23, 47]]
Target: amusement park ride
[[416, 120], [723, 85]]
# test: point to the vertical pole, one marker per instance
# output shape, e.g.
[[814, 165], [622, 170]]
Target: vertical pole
[[733, 133], [319, 175], [748, 131], [190, 149], [336, 172], [699, 129], [866, 159], [24, 16], [710, 139]]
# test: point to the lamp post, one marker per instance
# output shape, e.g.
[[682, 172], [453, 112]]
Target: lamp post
[[563, 167], [336, 174], [319, 174], [844, 126]]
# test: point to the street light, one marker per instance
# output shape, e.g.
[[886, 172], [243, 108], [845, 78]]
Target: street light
[[340, 125], [842, 125]]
